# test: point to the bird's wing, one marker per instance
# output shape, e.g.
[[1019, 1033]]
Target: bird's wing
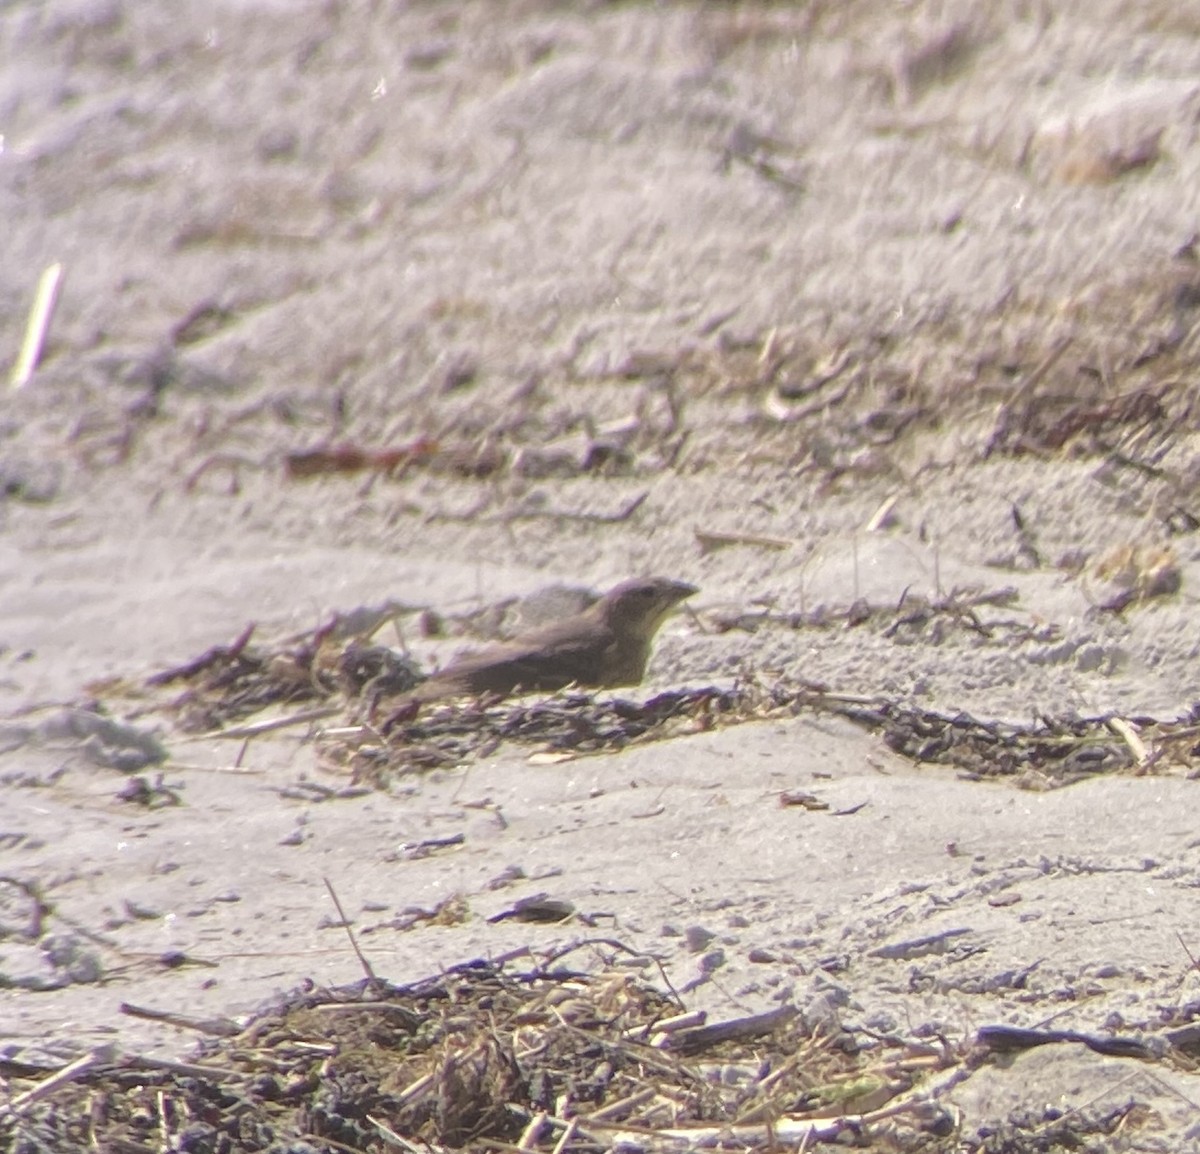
[[550, 658]]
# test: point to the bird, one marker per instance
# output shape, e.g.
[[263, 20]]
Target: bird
[[606, 646]]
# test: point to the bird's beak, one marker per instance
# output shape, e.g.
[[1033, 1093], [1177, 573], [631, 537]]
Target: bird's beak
[[681, 590]]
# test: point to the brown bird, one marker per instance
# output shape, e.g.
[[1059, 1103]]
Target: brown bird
[[605, 646]]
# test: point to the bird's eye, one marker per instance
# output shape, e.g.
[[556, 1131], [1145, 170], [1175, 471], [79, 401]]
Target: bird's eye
[[646, 592]]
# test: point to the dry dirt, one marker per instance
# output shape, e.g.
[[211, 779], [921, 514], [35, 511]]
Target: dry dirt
[[877, 322]]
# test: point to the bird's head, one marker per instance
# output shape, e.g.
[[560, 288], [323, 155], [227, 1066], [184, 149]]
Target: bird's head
[[639, 606]]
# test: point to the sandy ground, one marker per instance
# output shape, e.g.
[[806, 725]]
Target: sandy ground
[[901, 297]]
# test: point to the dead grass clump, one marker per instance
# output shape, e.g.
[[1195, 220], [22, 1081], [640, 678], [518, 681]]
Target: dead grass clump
[[373, 746], [483, 1059]]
